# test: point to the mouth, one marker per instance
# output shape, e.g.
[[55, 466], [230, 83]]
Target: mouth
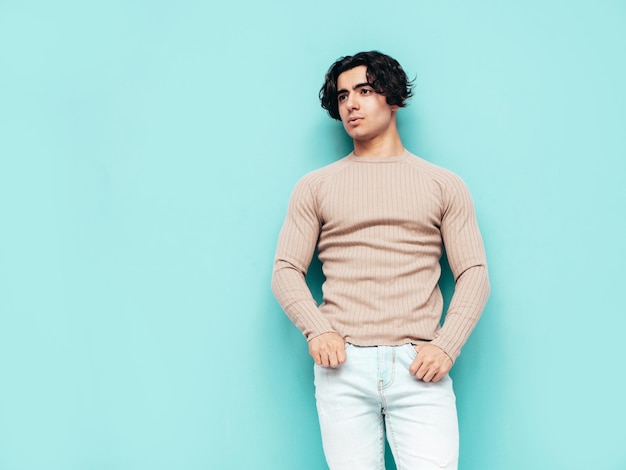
[[354, 120]]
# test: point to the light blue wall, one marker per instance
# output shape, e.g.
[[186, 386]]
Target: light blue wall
[[147, 153]]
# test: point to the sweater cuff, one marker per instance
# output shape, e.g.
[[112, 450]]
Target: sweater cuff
[[452, 350]]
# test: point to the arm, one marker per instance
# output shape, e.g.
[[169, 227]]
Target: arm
[[295, 248], [466, 255], [435, 359]]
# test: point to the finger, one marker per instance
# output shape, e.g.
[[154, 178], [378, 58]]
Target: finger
[[338, 355], [332, 360], [422, 371], [430, 367], [314, 353], [317, 358], [429, 375], [438, 376], [425, 362], [325, 359], [415, 365], [341, 355], [420, 364]]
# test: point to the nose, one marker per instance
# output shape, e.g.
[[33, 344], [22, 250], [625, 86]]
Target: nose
[[352, 101]]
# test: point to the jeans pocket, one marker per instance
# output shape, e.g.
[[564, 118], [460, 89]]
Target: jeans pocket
[[408, 352]]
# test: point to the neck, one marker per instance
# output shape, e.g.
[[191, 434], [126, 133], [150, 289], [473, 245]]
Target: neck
[[390, 146]]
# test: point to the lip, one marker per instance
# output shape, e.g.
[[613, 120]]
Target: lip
[[354, 119]]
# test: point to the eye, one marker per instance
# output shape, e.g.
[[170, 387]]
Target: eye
[[341, 98], [365, 91]]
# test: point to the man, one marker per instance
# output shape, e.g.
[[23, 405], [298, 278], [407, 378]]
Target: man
[[380, 219]]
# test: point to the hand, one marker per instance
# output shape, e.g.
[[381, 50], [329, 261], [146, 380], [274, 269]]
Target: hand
[[431, 363], [328, 349]]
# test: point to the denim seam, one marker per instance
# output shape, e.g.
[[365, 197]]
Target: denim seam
[[381, 448], [391, 438]]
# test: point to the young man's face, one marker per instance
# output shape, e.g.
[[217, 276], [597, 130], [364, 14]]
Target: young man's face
[[364, 113]]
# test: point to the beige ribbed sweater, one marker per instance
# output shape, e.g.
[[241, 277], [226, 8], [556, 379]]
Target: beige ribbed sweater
[[380, 225]]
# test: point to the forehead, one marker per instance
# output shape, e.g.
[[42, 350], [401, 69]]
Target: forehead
[[350, 78]]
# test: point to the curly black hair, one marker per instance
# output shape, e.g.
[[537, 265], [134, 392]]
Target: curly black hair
[[384, 74]]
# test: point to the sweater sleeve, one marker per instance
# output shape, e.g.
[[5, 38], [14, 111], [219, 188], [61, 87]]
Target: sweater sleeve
[[296, 245], [466, 256]]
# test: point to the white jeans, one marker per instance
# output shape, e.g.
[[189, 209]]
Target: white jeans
[[373, 394]]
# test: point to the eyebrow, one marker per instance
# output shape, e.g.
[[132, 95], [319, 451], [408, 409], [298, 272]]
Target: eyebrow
[[355, 87]]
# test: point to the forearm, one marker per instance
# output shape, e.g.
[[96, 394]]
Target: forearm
[[293, 295], [294, 251], [470, 296]]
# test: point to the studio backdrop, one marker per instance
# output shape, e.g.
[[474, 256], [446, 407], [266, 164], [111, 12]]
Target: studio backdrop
[[147, 153]]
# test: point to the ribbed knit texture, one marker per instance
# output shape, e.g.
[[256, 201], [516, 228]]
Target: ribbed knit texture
[[380, 225]]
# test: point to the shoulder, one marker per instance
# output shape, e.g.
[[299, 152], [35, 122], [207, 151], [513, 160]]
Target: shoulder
[[438, 174], [447, 180], [451, 188], [308, 188], [317, 177]]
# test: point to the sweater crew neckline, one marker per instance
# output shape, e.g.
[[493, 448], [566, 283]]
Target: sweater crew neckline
[[392, 159]]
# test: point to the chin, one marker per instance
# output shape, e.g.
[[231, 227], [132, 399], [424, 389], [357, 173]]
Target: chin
[[360, 136], [356, 134]]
